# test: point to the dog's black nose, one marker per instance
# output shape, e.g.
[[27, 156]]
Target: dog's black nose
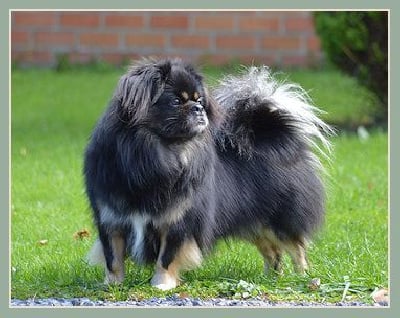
[[198, 108]]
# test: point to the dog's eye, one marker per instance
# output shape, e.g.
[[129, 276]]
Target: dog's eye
[[176, 102], [200, 101]]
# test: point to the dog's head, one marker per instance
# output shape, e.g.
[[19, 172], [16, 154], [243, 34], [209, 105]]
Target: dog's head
[[168, 98]]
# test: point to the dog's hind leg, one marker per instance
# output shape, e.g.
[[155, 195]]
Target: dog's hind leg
[[270, 248], [297, 251], [271, 253], [176, 254], [113, 246]]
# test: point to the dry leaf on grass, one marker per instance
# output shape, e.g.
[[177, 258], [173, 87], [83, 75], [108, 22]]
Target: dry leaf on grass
[[43, 242], [183, 295], [314, 284], [84, 233]]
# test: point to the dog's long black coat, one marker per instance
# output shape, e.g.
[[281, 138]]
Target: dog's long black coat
[[155, 176]]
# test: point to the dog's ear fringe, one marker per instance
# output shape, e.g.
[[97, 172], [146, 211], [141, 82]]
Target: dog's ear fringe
[[140, 87], [215, 113]]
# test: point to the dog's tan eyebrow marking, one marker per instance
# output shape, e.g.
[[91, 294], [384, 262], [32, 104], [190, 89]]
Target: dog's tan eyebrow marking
[[196, 96], [185, 95]]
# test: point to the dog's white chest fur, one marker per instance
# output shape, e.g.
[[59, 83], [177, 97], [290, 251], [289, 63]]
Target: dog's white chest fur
[[139, 224]]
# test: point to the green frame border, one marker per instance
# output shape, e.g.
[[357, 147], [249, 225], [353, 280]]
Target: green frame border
[[5, 164]]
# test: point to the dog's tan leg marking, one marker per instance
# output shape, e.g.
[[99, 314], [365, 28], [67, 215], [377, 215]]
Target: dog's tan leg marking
[[164, 279], [271, 252], [297, 251], [118, 271], [188, 256], [272, 248]]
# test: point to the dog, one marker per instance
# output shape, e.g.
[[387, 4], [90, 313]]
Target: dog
[[171, 168]]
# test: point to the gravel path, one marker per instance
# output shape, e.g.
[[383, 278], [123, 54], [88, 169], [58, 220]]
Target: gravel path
[[176, 301]]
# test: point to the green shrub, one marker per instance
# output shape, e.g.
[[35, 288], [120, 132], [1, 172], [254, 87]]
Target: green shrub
[[357, 43]]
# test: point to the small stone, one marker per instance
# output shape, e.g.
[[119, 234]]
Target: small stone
[[245, 295]]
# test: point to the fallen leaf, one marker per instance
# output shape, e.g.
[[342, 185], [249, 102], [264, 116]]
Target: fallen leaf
[[380, 295], [183, 295], [314, 284], [81, 234], [43, 242]]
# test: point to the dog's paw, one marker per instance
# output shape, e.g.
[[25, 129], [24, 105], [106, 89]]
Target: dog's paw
[[164, 281], [114, 278], [165, 287]]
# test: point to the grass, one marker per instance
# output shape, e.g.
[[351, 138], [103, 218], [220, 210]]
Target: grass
[[52, 116]]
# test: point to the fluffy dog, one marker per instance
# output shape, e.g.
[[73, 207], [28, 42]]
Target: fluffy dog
[[170, 169]]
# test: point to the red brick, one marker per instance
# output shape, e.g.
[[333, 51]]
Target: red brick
[[99, 39], [281, 42], [80, 19], [33, 18], [215, 59], [143, 39], [294, 60], [124, 21], [32, 57], [191, 41], [18, 37], [257, 59], [236, 42], [180, 55], [259, 24], [223, 59], [78, 57], [313, 44], [118, 58], [54, 38], [75, 57], [299, 24], [180, 22], [214, 22]]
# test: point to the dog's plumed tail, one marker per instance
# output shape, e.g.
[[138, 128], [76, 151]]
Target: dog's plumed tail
[[259, 108]]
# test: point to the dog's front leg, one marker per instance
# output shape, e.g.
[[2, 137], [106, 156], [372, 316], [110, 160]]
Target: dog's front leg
[[166, 274], [176, 253]]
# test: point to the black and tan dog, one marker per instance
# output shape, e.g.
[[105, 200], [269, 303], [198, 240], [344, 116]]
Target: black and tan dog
[[169, 169]]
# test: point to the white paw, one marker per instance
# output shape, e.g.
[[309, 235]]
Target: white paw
[[165, 286], [164, 281]]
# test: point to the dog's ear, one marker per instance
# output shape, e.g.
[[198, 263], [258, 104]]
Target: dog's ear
[[191, 69], [164, 69], [141, 87]]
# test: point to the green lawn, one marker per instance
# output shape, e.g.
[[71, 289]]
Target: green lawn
[[52, 116]]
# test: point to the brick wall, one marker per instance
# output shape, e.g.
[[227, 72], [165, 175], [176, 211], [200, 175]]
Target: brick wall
[[271, 37]]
